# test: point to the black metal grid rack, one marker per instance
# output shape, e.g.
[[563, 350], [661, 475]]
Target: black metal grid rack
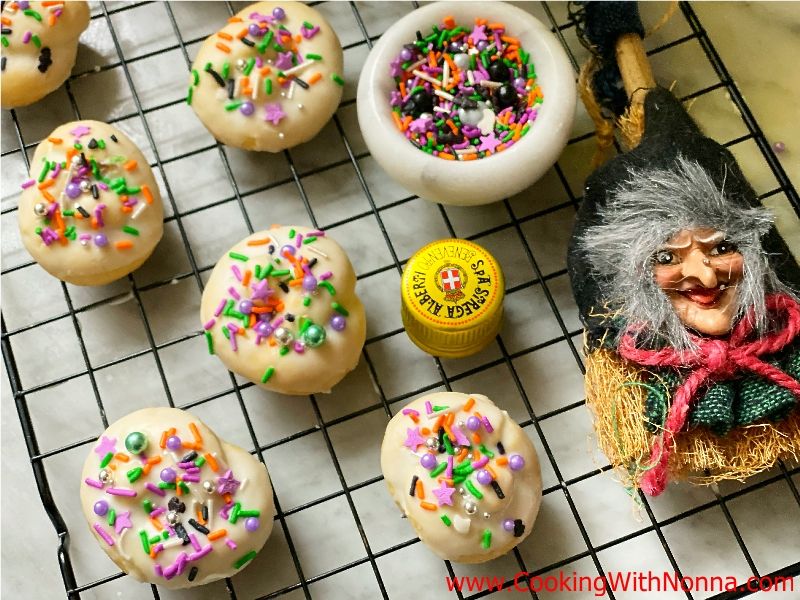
[[388, 405]]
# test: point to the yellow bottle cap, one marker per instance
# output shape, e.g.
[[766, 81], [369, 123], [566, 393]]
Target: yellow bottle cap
[[452, 298]]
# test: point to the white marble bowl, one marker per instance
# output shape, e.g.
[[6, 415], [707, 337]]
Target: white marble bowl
[[478, 181]]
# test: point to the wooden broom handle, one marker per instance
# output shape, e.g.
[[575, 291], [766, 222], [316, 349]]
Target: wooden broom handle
[[637, 76]]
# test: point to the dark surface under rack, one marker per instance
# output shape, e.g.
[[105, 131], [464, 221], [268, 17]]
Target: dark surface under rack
[[21, 392]]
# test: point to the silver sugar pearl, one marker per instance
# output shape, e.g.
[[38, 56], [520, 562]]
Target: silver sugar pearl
[[462, 491], [432, 443], [460, 424], [40, 208], [208, 486], [84, 185], [470, 507], [105, 476], [172, 517], [281, 135], [241, 64], [487, 516], [461, 60], [283, 336], [300, 107], [76, 160]]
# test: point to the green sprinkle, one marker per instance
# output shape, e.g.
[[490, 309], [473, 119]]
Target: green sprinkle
[[189, 95], [292, 233], [340, 309], [200, 461], [130, 230], [313, 56], [70, 233], [112, 517], [267, 270], [209, 342], [68, 213], [32, 13], [228, 306], [306, 300], [472, 489], [166, 486], [307, 25], [459, 478], [207, 66], [45, 169], [195, 77], [486, 451], [106, 459], [147, 506], [101, 144], [446, 520], [4, 41], [134, 474], [328, 286], [155, 539], [249, 66], [164, 534], [36, 41], [284, 350], [78, 146], [267, 374], [305, 323], [226, 69], [249, 513], [281, 273], [437, 408], [448, 446], [336, 79], [38, 231], [438, 469], [226, 332], [145, 541], [185, 488], [310, 240], [268, 86], [244, 559], [233, 105], [237, 256], [487, 538], [234, 516]]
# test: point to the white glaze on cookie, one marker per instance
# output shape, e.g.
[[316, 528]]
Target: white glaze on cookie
[[42, 45], [268, 83], [468, 505], [269, 301], [91, 211], [154, 542]]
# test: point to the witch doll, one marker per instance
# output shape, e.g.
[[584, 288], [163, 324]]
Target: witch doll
[[684, 289]]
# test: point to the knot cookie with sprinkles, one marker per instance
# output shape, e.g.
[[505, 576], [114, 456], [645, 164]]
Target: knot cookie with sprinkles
[[39, 45], [464, 473], [280, 309], [171, 503], [270, 79], [91, 211]]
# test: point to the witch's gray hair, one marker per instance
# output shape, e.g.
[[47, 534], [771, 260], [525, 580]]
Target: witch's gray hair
[[648, 209]]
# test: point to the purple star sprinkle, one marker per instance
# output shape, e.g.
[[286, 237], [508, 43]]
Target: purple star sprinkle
[[478, 34], [227, 484], [489, 142], [413, 438], [123, 521], [395, 70], [444, 494], [420, 125], [105, 446], [80, 131], [284, 61], [274, 113]]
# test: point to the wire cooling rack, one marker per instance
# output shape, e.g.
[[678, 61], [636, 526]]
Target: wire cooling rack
[[114, 349]]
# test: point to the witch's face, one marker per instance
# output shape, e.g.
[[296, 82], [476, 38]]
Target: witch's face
[[699, 270]]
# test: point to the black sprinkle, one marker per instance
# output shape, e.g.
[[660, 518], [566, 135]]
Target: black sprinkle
[[498, 490], [189, 457], [92, 144], [199, 527], [284, 287], [192, 573], [217, 77], [231, 86], [83, 212], [3, 63], [45, 60], [301, 83], [312, 263], [290, 317], [114, 138], [181, 531], [519, 527], [205, 513], [5, 31], [413, 489], [84, 162], [419, 35], [95, 193], [176, 504], [247, 42], [271, 249], [500, 448]]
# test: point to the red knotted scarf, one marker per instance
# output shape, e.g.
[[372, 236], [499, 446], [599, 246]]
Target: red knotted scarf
[[714, 360]]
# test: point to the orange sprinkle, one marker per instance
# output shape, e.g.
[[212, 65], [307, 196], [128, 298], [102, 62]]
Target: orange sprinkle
[[48, 195], [402, 88], [461, 454], [228, 499], [476, 438], [130, 165], [235, 20], [420, 489], [496, 26], [195, 433], [427, 505], [153, 552], [126, 209], [438, 425], [124, 245], [216, 534], [121, 457], [51, 20], [296, 283], [6, 21], [298, 38], [212, 462], [200, 518], [451, 125], [397, 121], [52, 3], [449, 22], [479, 21], [245, 81], [446, 156], [246, 277], [148, 197], [261, 310], [55, 140], [178, 490], [223, 47], [241, 34], [414, 418], [424, 430], [468, 406], [510, 40], [315, 78], [156, 524], [154, 460], [163, 442], [265, 71], [501, 460], [260, 242], [112, 466], [46, 183], [252, 321], [448, 420], [146, 469], [225, 36], [491, 471]]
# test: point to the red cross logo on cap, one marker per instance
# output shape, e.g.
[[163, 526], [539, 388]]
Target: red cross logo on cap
[[451, 279]]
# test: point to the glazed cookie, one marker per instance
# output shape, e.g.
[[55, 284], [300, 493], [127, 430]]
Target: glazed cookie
[[269, 79], [171, 503], [466, 475], [91, 211], [40, 42], [280, 309]]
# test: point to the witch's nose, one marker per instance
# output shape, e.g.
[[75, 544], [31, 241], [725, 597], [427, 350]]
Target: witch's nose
[[697, 266]]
